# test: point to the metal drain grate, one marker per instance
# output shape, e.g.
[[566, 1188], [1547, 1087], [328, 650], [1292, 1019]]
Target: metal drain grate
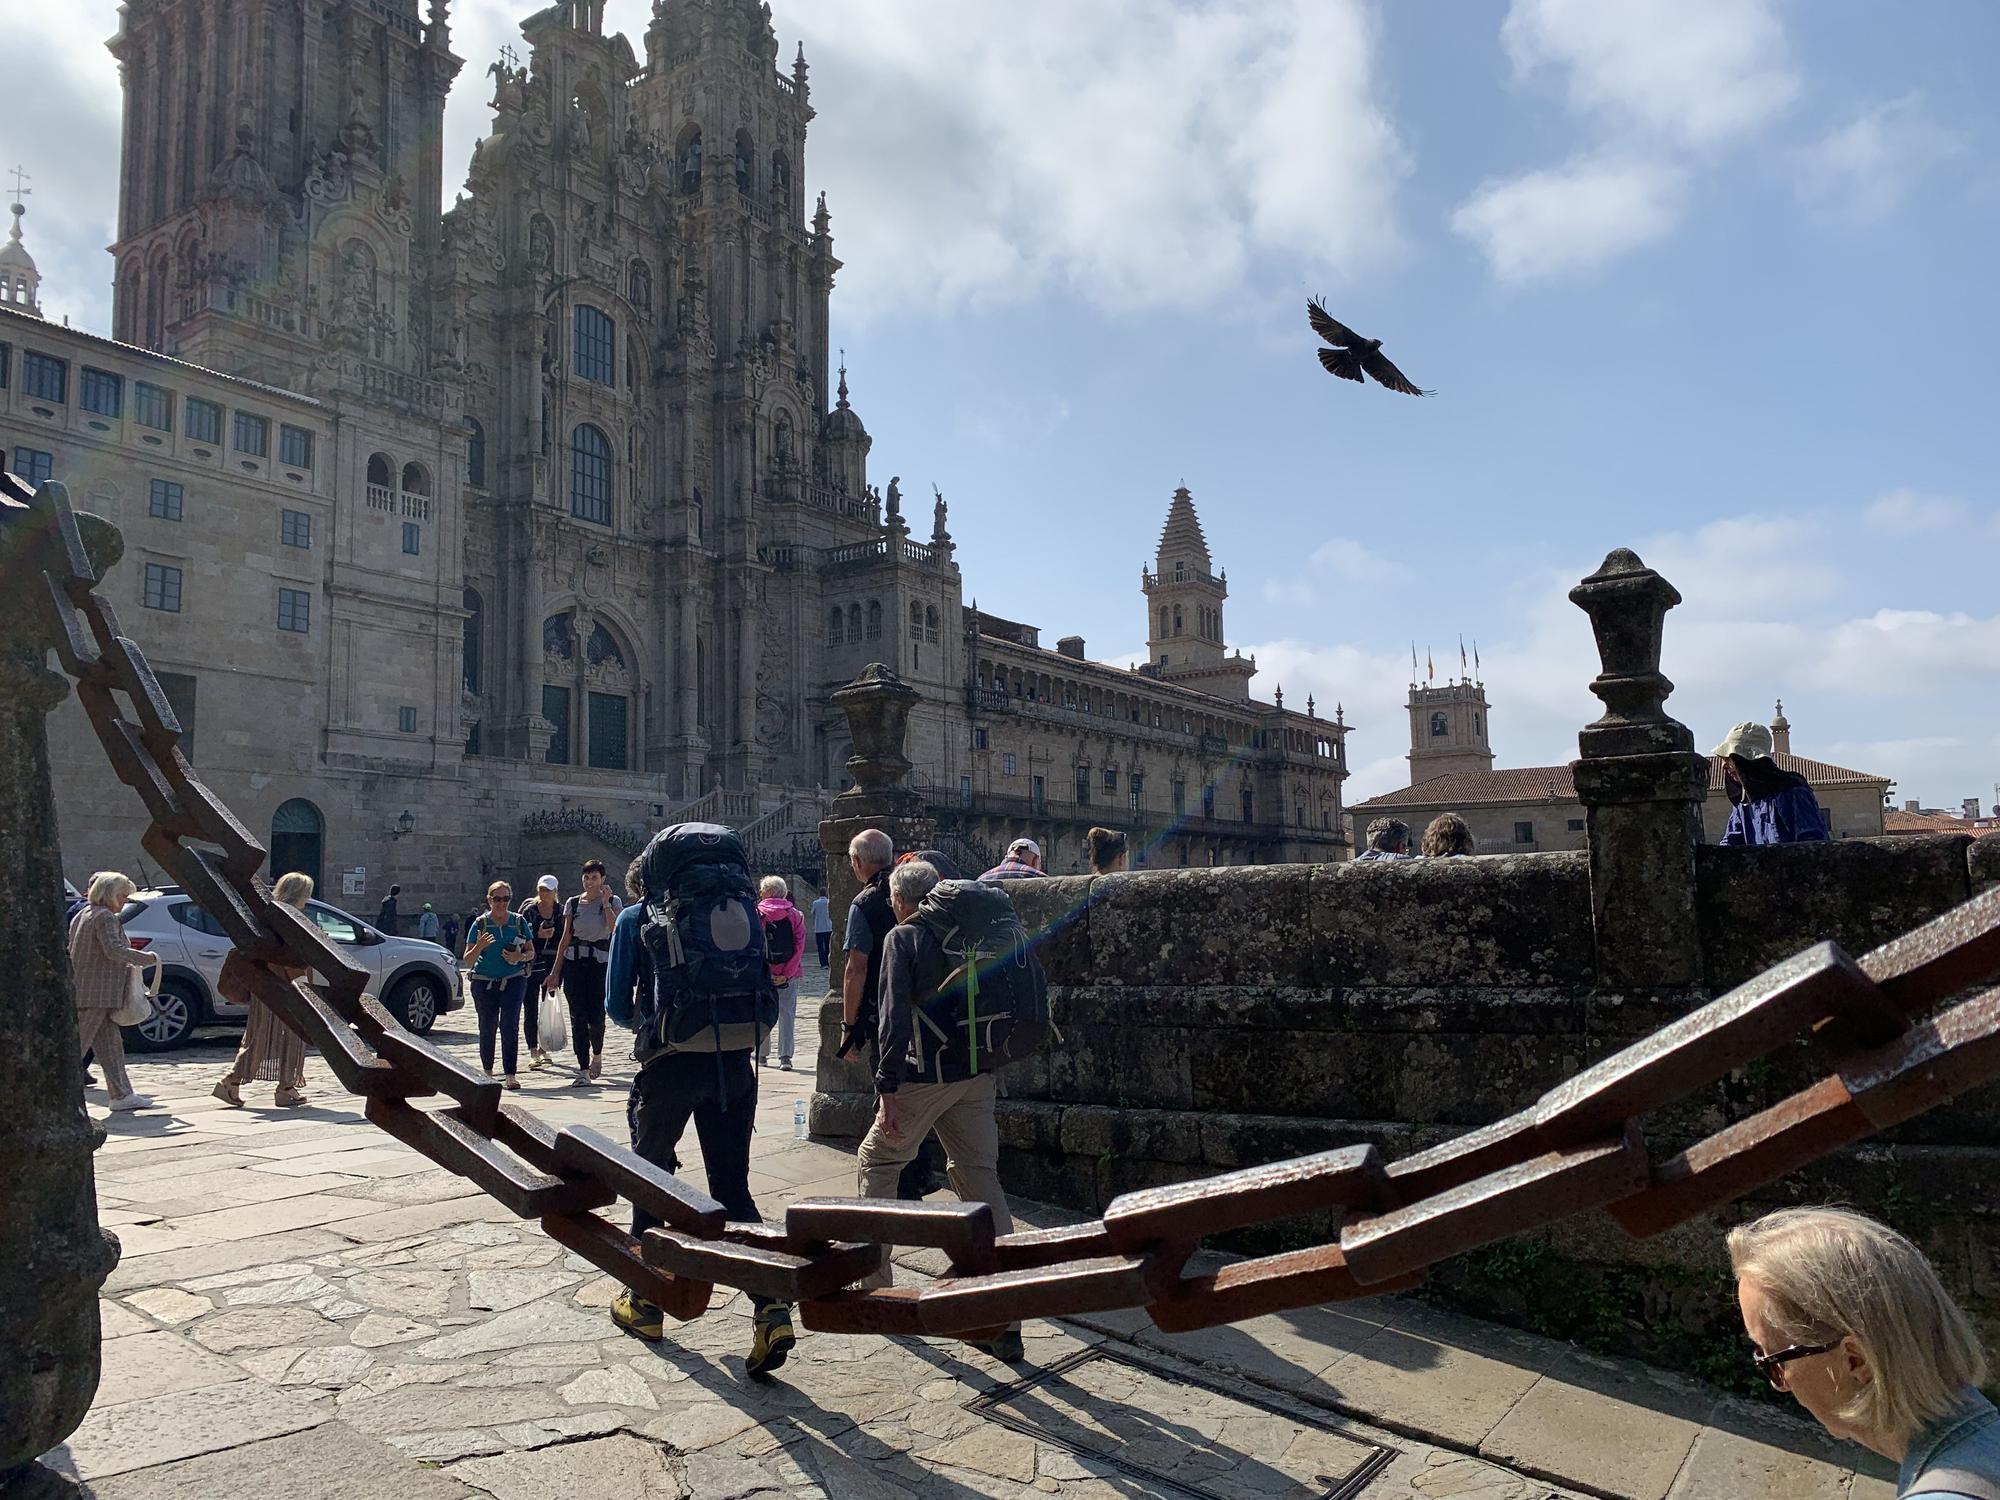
[[1182, 1433]]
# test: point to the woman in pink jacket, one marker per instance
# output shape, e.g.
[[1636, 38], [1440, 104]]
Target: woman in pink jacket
[[785, 942]]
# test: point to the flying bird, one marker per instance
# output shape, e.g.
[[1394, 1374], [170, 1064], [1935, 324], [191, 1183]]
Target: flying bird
[[1351, 353]]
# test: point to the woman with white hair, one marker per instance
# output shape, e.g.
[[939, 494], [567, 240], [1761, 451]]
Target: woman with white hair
[[1849, 1317], [101, 962], [785, 949], [271, 1051]]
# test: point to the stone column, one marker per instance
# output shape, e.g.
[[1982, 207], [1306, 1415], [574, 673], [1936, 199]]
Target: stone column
[[877, 705], [1642, 786], [53, 1256]]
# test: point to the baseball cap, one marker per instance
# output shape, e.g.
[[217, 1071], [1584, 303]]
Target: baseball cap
[[1751, 741], [427, 906], [1025, 846], [546, 883]]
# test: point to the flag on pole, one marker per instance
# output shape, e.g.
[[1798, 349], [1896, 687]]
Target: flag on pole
[[1430, 668], [1475, 658], [1413, 661], [1461, 656]]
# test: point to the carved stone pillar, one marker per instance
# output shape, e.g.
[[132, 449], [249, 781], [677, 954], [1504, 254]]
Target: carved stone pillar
[[1642, 786], [53, 1256], [877, 705]]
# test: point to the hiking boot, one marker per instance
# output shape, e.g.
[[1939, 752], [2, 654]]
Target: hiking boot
[[638, 1317], [772, 1340], [229, 1093], [1006, 1347]]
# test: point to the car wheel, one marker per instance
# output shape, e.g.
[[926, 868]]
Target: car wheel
[[418, 1001], [177, 1010]]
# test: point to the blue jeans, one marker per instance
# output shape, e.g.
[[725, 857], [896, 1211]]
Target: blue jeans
[[498, 1002]]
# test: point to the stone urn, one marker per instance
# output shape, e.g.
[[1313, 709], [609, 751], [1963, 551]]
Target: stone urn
[[877, 705]]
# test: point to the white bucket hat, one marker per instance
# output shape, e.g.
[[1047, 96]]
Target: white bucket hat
[[1751, 741]]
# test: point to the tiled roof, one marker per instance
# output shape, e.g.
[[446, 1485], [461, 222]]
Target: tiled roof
[[1555, 784], [1896, 820]]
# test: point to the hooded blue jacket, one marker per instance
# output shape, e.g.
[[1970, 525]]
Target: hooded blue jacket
[[1789, 816]]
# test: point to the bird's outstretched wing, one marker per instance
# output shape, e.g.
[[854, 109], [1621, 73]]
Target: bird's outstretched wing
[[1342, 362], [1330, 328], [1377, 364]]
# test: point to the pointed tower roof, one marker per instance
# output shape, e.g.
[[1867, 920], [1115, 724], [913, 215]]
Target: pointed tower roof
[[1181, 536], [20, 282]]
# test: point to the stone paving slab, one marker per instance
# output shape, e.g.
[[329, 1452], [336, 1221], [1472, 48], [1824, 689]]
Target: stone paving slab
[[328, 1462], [428, 1322]]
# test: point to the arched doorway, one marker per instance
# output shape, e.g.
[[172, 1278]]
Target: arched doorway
[[297, 834]]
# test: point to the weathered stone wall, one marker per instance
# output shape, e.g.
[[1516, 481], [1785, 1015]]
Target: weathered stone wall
[[1220, 1018]]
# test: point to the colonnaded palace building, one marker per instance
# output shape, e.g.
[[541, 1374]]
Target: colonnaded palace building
[[471, 538]]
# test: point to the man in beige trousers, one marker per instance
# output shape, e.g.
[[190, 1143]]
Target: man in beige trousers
[[922, 1091]]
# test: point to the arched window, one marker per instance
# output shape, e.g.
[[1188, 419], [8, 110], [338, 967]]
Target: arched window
[[781, 438], [590, 475], [1475, 724], [381, 471], [1166, 623], [781, 176], [916, 620], [596, 340], [416, 479], [557, 638], [931, 624], [1177, 619], [1440, 726], [854, 622], [874, 619], [639, 286], [688, 157], [836, 626], [744, 150], [475, 454], [297, 832]]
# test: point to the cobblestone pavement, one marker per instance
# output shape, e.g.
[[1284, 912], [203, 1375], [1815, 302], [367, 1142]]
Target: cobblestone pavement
[[306, 1307]]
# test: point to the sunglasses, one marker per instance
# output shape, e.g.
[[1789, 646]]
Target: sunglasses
[[503, 896], [1772, 1366]]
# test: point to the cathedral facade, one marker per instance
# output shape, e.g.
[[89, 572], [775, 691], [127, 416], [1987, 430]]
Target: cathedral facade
[[548, 509]]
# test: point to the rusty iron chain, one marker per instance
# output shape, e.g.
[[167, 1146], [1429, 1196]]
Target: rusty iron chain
[[1577, 1149]]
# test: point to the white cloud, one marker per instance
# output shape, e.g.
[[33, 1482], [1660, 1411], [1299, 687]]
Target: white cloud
[[1573, 217], [1691, 73], [1341, 558], [1661, 81], [1131, 154], [1289, 592], [1864, 169], [1912, 510]]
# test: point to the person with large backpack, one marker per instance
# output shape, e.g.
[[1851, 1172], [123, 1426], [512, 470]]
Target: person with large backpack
[[690, 975], [962, 995]]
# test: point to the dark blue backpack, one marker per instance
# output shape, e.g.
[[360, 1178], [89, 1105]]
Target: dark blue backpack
[[712, 989]]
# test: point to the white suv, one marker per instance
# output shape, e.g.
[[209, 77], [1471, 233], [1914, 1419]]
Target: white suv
[[417, 980]]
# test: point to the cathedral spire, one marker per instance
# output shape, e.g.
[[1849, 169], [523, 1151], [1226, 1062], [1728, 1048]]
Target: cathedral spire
[[842, 402]]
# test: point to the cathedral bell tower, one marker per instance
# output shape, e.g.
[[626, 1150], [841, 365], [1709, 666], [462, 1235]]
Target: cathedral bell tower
[[277, 159], [1184, 639], [1449, 729]]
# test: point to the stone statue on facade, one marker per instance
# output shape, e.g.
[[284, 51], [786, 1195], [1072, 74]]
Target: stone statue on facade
[[895, 498]]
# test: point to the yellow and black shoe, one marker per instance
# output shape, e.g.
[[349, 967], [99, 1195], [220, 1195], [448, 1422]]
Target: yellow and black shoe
[[773, 1339], [638, 1317]]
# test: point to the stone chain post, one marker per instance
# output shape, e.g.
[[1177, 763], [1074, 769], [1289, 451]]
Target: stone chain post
[[1642, 786], [53, 1256], [877, 705]]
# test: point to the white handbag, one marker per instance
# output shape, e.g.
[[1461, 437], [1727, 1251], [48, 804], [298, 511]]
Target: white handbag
[[139, 993]]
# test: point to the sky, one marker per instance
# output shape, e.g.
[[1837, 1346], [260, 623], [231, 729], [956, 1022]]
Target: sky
[[1710, 279]]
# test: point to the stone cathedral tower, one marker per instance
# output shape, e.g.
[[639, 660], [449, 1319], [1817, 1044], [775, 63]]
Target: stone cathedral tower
[[1184, 598]]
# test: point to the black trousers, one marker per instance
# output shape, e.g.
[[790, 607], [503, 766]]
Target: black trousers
[[670, 1091], [583, 987]]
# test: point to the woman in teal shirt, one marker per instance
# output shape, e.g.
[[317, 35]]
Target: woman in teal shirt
[[498, 945]]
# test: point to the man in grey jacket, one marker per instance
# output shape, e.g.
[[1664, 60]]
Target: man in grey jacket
[[931, 1091]]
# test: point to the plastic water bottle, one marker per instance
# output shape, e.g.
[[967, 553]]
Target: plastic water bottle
[[798, 1119]]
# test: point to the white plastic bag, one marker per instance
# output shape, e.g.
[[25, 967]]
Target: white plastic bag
[[138, 1006], [554, 1031]]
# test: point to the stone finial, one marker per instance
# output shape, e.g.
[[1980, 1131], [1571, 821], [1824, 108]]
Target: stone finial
[[1627, 603], [877, 705]]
